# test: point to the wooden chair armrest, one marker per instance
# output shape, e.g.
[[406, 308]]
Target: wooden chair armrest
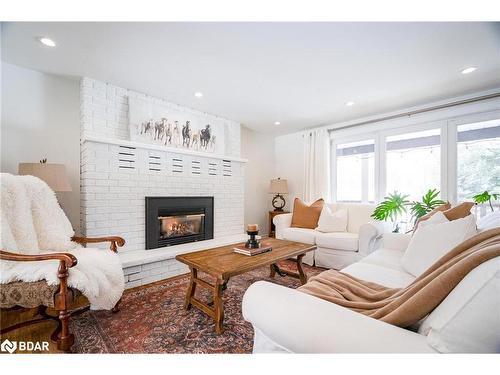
[[68, 259], [115, 241]]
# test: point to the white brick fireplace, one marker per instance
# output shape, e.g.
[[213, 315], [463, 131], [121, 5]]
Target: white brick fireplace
[[117, 175]]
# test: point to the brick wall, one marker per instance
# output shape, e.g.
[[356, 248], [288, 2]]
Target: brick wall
[[116, 178]]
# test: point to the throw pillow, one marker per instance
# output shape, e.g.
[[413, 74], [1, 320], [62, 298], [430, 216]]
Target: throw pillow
[[459, 211], [305, 216], [332, 221], [433, 240], [443, 207]]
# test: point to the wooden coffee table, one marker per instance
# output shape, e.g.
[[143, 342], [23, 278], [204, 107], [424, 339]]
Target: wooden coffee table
[[223, 263]]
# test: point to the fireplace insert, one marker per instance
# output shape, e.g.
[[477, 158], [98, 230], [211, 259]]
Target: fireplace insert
[[177, 220]]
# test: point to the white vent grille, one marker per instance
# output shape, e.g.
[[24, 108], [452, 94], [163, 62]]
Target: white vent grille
[[195, 167], [226, 168], [155, 162], [212, 168], [126, 157], [177, 165]]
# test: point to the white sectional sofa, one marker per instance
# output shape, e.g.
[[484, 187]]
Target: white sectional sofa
[[287, 320], [337, 249]]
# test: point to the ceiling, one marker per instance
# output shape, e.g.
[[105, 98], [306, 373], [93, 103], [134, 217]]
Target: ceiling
[[300, 74]]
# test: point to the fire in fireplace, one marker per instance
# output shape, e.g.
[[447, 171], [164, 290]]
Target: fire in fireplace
[[181, 225], [177, 220]]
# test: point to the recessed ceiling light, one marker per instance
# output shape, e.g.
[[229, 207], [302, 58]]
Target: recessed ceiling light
[[469, 70], [349, 103], [277, 123], [198, 94], [47, 41]]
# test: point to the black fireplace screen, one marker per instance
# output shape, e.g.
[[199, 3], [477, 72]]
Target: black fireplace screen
[[177, 220]]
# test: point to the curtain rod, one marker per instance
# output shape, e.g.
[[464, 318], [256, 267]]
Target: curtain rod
[[418, 111]]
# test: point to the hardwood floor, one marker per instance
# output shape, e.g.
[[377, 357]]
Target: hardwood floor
[[37, 332]]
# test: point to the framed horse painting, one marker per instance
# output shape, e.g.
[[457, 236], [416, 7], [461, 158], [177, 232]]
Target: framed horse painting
[[169, 125]]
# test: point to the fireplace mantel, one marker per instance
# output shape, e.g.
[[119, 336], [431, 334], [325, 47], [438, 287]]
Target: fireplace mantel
[[176, 150]]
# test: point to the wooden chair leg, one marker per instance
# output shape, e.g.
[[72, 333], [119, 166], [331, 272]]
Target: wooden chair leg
[[65, 339]]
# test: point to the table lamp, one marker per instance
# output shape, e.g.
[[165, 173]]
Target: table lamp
[[278, 187]]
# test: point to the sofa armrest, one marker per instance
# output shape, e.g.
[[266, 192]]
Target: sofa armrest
[[369, 236], [282, 222], [301, 323], [396, 241]]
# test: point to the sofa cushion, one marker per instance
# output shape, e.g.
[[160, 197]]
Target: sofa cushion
[[386, 258], [460, 211], [332, 221], [381, 275], [305, 216], [427, 216], [468, 319], [433, 239], [300, 235], [358, 213], [338, 240]]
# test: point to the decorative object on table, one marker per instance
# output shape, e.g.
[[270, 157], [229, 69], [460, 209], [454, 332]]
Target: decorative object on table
[[272, 228], [306, 216], [278, 187], [53, 174], [252, 231], [486, 197], [163, 125], [242, 249]]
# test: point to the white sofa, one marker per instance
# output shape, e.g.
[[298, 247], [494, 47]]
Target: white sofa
[[287, 320], [338, 249]]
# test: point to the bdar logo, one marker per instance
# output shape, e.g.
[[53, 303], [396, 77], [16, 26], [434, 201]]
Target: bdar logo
[[8, 346]]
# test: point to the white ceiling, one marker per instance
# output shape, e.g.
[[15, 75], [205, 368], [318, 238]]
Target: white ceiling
[[300, 74]]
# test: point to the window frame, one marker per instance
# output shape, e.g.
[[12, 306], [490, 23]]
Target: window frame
[[448, 125]]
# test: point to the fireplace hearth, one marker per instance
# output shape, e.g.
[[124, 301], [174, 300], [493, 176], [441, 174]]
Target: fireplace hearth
[[177, 220]]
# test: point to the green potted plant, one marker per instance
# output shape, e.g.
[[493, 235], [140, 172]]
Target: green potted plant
[[391, 208], [429, 202], [486, 197]]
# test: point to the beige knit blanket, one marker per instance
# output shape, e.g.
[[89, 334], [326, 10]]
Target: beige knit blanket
[[405, 306]]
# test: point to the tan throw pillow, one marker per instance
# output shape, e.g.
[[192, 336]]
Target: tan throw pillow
[[443, 207], [460, 211], [305, 216]]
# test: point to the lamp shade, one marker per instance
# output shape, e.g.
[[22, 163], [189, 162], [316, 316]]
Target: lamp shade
[[53, 174], [278, 186]]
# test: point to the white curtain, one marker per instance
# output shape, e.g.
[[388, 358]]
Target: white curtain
[[316, 165]]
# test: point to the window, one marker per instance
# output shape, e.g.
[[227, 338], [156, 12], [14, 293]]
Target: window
[[355, 171], [413, 163], [478, 160]]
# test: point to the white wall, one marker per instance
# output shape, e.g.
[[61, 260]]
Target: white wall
[[41, 119], [289, 159], [258, 148]]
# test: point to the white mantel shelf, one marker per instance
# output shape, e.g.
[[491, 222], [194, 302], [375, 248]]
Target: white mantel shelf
[[139, 257], [175, 150]]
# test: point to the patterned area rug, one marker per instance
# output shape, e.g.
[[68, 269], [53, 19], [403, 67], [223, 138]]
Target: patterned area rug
[[152, 319]]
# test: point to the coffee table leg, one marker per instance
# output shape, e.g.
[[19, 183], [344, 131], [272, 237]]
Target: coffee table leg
[[273, 271], [219, 306], [191, 289], [302, 275]]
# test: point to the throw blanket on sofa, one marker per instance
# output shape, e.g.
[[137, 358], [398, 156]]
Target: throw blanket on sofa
[[405, 306], [32, 222]]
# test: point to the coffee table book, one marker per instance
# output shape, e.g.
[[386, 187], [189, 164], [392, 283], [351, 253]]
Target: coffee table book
[[241, 249]]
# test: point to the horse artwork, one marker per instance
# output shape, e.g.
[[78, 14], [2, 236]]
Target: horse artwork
[[186, 134], [173, 127], [205, 137], [160, 129], [176, 135]]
